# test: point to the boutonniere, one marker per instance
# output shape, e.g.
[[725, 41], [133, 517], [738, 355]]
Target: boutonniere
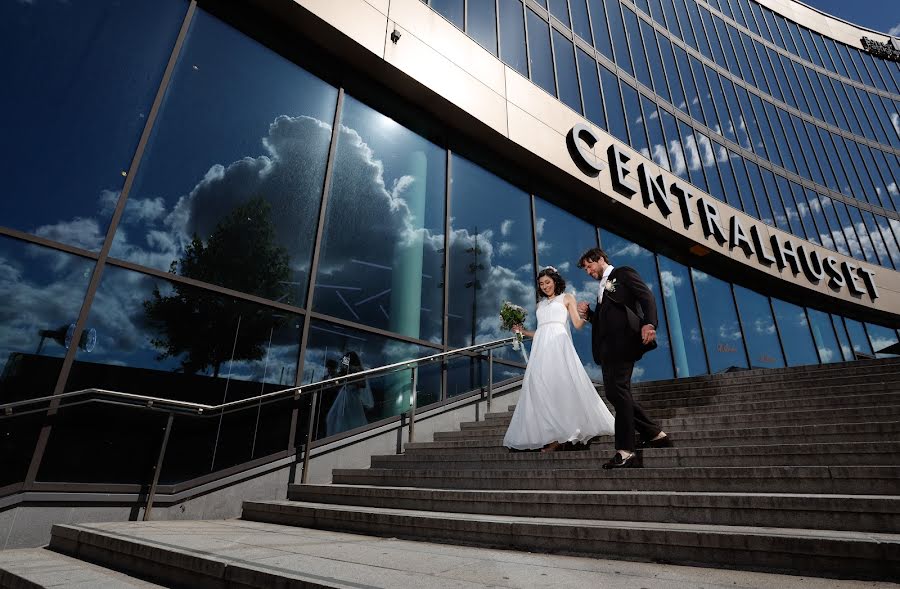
[[611, 285]]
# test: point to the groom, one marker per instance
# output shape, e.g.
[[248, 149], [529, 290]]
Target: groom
[[623, 327]]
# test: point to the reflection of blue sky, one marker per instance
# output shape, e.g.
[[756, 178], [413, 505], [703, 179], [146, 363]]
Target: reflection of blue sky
[[72, 110], [40, 289]]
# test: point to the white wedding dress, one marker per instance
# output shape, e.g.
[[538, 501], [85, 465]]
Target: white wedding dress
[[558, 402]]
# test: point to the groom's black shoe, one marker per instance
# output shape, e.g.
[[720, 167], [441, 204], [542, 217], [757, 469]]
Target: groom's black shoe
[[633, 461], [663, 442]]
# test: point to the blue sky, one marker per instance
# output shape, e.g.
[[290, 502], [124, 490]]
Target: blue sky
[[880, 15]]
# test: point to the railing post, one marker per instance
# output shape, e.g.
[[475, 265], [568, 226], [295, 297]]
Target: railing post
[[309, 433], [490, 396], [156, 470], [412, 403]]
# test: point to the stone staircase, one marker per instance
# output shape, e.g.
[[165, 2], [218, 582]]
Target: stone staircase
[[788, 471], [794, 470]]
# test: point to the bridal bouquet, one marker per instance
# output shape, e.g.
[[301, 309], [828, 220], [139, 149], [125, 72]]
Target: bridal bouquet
[[511, 315]]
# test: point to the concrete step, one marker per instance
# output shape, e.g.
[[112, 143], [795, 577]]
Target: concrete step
[[785, 391], [836, 454], [737, 416], [37, 567], [861, 513], [814, 434], [796, 416], [850, 480], [885, 425], [884, 369], [829, 400], [839, 553]]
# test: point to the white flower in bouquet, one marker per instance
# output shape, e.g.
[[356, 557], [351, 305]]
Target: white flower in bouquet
[[510, 316]]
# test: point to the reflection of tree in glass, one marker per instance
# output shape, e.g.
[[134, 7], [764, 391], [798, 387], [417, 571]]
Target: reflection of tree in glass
[[240, 253]]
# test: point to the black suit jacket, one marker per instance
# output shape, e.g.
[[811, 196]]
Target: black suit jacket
[[616, 322]]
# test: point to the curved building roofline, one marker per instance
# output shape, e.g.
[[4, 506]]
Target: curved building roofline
[[822, 22]]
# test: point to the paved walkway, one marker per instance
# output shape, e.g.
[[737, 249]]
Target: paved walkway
[[335, 559]]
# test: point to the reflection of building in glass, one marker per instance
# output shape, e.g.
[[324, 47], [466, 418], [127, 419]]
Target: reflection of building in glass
[[305, 186]]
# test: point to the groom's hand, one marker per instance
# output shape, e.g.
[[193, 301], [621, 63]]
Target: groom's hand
[[583, 308], [648, 334]]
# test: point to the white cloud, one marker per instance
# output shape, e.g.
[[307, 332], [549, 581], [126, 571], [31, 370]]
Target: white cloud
[[894, 31]]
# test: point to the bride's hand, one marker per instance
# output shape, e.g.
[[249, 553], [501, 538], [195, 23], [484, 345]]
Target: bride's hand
[[518, 328]]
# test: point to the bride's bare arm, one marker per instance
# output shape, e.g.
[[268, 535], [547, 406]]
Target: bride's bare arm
[[521, 328], [572, 306]]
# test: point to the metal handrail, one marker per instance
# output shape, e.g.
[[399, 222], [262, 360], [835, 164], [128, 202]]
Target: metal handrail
[[145, 401]]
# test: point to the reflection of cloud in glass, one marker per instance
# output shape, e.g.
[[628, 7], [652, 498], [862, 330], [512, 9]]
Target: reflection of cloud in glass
[[691, 153], [826, 354], [670, 282], [763, 326], [730, 331]]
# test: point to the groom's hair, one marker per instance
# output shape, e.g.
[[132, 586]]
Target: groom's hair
[[595, 254]]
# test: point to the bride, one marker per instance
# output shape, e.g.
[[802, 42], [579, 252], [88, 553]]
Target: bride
[[558, 402]]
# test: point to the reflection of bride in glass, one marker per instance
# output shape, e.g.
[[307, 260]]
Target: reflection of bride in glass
[[558, 403], [353, 399]]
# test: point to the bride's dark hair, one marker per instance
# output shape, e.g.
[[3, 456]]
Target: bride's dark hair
[[559, 285]]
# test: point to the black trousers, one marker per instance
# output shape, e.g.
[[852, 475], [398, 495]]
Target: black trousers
[[629, 415]]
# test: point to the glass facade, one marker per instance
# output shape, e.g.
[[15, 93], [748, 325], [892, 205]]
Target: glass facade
[[263, 223]]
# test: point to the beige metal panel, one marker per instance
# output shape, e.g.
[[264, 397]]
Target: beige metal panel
[[379, 5], [357, 19], [424, 64], [534, 100], [826, 24], [442, 37], [547, 143]]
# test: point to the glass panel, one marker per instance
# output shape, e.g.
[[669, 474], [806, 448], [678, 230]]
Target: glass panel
[[758, 193], [676, 153], [482, 25], [672, 76], [42, 292], [729, 187], [809, 227], [818, 218], [581, 24], [692, 98], [651, 52], [687, 32], [681, 312], [636, 130], [881, 338], [451, 9], [383, 241], [561, 239], [778, 213], [490, 253], [560, 9], [229, 192], [566, 73], [692, 156], [617, 31], [743, 183], [615, 114], [724, 340], [334, 350], [83, 90], [843, 338], [862, 348], [824, 337], [654, 130], [790, 207], [877, 239], [638, 56], [795, 334], [835, 231], [622, 252], [590, 89], [539, 57], [602, 40], [165, 339], [846, 224], [512, 35], [763, 346]]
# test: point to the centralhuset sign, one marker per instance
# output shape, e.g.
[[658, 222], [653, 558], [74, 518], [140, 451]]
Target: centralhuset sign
[[679, 198]]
